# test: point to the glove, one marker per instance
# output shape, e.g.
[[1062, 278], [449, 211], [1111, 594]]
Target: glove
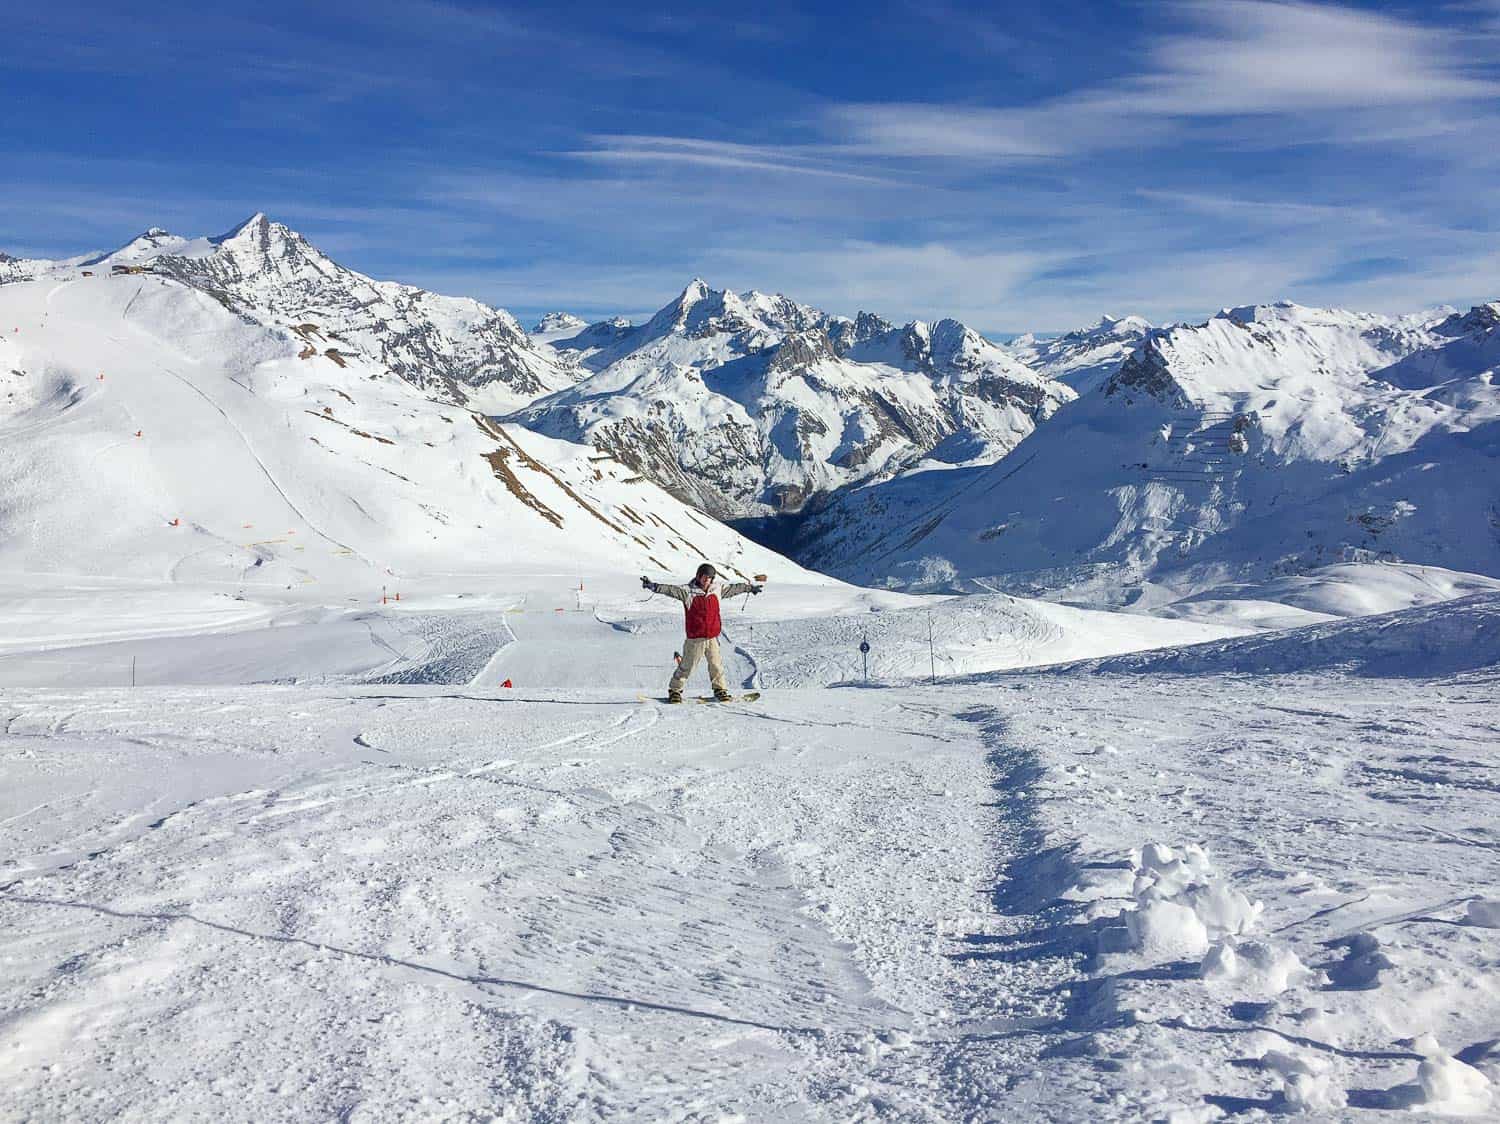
[[756, 588], [647, 583]]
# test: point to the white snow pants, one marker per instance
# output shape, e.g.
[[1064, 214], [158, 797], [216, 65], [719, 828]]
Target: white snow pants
[[692, 651]]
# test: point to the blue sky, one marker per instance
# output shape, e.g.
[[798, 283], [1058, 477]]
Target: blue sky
[[1020, 166]]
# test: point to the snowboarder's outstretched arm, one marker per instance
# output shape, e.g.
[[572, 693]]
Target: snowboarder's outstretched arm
[[738, 588], [681, 592]]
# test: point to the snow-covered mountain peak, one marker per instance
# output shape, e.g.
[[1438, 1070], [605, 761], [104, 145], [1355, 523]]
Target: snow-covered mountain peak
[[751, 403], [1244, 352], [674, 314], [257, 226], [454, 348], [1289, 312], [1266, 440], [149, 244], [849, 334], [555, 322], [1085, 357], [957, 347], [1479, 320], [259, 241], [1122, 325]]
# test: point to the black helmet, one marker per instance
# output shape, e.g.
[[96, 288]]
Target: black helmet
[[706, 568]]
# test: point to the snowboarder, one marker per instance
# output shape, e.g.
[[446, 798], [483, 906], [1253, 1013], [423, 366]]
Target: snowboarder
[[700, 603]]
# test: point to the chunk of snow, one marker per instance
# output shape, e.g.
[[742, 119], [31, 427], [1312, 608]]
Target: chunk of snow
[[1257, 967], [1484, 912], [1167, 930], [1448, 1085]]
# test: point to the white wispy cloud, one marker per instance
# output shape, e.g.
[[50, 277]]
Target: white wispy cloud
[[1235, 58], [784, 160], [1257, 56]]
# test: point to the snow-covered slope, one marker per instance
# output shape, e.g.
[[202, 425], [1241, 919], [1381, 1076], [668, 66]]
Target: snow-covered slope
[[1084, 358], [454, 348], [148, 433], [1269, 440], [748, 404], [1434, 640]]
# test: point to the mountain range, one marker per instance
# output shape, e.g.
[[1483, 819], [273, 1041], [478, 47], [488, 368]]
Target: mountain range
[[1268, 440], [1123, 464], [749, 404]]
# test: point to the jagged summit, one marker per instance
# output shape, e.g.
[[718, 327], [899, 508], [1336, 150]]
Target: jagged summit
[[257, 225], [1128, 323], [1085, 357], [454, 348], [749, 403], [1482, 318]]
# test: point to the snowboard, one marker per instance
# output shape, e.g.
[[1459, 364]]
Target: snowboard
[[748, 696]]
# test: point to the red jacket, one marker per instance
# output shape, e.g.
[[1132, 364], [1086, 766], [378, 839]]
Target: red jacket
[[702, 609], [702, 614]]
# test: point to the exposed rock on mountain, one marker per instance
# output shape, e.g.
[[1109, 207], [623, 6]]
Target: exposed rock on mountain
[[750, 404], [454, 348], [1268, 440], [147, 431]]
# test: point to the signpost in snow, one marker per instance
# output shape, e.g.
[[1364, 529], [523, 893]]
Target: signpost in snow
[[864, 652]]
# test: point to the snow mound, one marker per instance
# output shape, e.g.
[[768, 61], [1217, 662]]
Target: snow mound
[[1484, 912], [1256, 967], [1181, 904], [1346, 589], [1450, 1087], [1433, 640], [1309, 1084]]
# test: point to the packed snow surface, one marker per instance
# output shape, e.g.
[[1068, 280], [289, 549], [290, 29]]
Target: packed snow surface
[[380, 886]]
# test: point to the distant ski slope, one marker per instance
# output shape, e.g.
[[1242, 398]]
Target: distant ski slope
[[148, 433]]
